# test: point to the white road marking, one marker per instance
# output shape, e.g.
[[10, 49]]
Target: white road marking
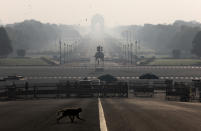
[[103, 126]]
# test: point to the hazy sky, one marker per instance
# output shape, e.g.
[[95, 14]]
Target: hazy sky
[[115, 12]]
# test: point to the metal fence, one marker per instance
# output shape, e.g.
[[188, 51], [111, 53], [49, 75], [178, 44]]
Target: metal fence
[[25, 90], [146, 88], [182, 91]]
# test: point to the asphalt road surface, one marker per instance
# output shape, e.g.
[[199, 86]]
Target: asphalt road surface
[[133, 114], [62, 72], [40, 115]]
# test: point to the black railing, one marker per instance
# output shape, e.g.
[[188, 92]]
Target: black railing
[[62, 90]]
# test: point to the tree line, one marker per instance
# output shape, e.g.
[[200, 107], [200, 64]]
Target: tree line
[[32, 35], [180, 36]]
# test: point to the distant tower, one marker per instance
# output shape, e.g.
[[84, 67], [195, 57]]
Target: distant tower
[[97, 27], [99, 59], [97, 19]]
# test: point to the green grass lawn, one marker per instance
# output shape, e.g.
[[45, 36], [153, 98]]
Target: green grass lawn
[[22, 61], [175, 62]]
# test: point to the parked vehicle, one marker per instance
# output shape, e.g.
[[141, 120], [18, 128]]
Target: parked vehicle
[[15, 77]]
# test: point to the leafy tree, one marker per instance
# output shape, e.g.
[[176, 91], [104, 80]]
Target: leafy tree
[[196, 49], [107, 78], [5, 43], [148, 76], [176, 53], [36, 36], [21, 52], [164, 38]]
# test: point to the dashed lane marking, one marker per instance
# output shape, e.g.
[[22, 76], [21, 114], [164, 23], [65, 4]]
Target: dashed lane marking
[[103, 126], [118, 77]]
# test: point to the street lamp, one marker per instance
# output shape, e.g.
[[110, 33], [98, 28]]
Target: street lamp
[[67, 53], [64, 53], [60, 50], [136, 51], [128, 52], [131, 52]]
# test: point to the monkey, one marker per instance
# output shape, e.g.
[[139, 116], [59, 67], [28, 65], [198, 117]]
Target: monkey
[[71, 113]]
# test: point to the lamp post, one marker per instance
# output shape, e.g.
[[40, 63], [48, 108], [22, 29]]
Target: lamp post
[[64, 53], [70, 52], [60, 50], [131, 52], [67, 52], [136, 51], [125, 52], [122, 52], [128, 51]]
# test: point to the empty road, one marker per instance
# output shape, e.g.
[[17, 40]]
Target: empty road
[[62, 72], [133, 114]]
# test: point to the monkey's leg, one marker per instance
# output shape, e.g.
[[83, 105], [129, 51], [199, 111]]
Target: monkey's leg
[[71, 118], [78, 117], [59, 118]]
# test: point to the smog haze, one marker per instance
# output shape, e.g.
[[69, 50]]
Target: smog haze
[[115, 12]]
